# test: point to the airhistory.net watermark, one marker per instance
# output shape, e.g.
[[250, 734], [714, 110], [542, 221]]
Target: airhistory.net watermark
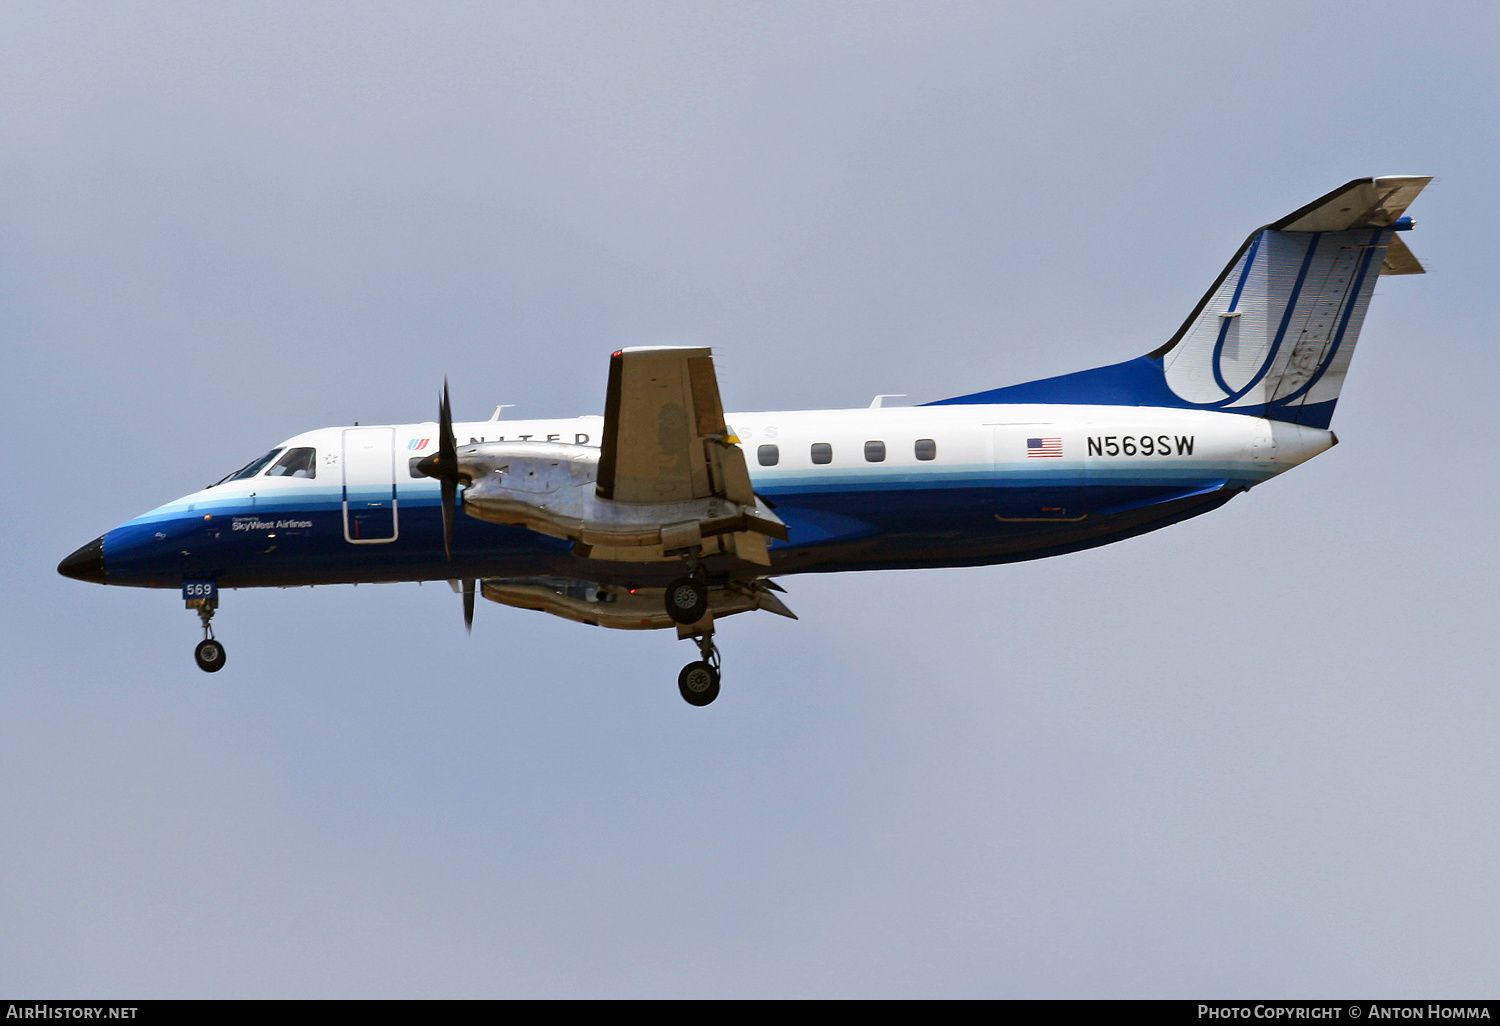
[[45, 1010]]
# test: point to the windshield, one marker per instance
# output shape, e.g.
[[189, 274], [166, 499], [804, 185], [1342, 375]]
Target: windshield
[[250, 469], [299, 462]]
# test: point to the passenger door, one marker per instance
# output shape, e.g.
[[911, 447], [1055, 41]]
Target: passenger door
[[370, 516]]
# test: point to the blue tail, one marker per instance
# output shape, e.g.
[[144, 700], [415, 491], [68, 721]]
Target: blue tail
[[1274, 334]]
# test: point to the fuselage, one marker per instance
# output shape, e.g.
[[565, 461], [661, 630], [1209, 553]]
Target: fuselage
[[923, 486]]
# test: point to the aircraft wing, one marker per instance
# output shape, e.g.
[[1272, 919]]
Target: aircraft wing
[[665, 441]]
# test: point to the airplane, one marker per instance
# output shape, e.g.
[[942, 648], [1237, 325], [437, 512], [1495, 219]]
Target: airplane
[[664, 513]]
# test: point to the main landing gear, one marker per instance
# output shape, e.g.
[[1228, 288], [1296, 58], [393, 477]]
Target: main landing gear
[[210, 651], [686, 600], [699, 681]]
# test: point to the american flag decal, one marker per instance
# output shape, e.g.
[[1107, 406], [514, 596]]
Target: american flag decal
[[1044, 447], [418, 443]]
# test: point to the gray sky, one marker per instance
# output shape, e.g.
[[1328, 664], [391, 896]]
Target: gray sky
[[1253, 754]]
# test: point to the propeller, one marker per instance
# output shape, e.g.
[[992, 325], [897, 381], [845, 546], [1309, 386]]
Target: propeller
[[443, 465]]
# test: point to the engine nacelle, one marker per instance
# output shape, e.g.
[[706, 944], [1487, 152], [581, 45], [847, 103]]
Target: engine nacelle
[[549, 487]]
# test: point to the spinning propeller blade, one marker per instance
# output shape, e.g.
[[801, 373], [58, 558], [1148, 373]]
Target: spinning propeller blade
[[447, 455], [443, 465]]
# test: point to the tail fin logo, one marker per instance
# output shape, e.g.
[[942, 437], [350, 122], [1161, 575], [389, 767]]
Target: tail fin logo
[[1280, 329], [1275, 335]]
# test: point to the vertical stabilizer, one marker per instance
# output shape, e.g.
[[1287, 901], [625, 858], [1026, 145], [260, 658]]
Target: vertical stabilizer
[[1274, 334]]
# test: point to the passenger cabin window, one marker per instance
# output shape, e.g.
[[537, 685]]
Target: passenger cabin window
[[298, 462], [769, 455], [874, 452], [822, 452], [411, 466], [926, 449], [250, 469]]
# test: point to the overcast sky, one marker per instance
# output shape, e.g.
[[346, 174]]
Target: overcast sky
[[1250, 755]]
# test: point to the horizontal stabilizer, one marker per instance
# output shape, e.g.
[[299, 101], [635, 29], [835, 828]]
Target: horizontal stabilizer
[[1362, 203]]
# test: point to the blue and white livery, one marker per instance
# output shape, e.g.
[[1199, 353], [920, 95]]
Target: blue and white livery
[[664, 512]]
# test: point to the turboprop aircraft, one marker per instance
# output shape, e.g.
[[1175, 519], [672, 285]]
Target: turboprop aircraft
[[652, 516]]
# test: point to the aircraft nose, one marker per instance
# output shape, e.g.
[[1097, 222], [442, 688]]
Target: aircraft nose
[[87, 564]]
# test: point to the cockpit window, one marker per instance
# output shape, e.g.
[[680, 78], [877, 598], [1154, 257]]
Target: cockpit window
[[299, 462], [250, 469]]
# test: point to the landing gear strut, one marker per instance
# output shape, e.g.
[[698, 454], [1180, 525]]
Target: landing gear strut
[[699, 681], [687, 604], [210, 652]]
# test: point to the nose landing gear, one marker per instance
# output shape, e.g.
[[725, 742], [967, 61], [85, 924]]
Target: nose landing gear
[[209, 654]]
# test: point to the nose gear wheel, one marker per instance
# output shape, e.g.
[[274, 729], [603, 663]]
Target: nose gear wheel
[[209, 655]]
